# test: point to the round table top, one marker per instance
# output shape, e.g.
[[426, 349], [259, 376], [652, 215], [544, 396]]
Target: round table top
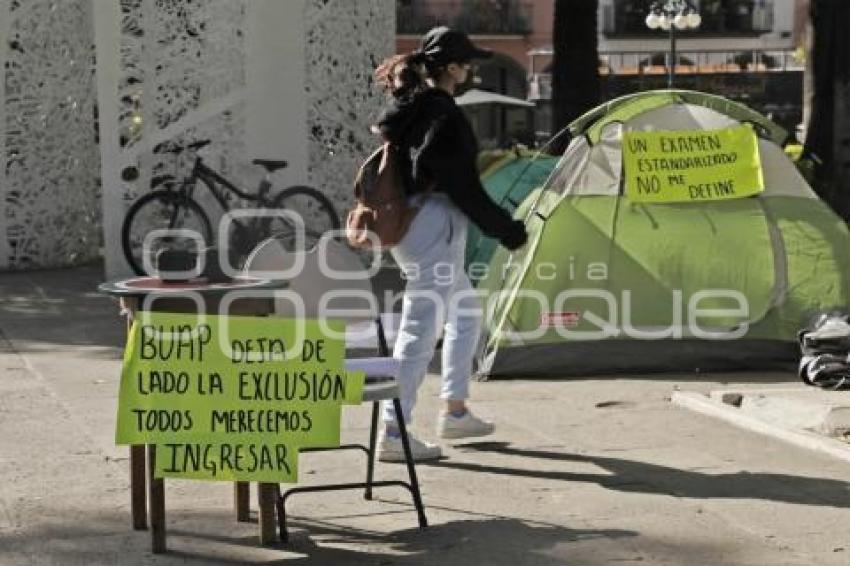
[[142, 286]]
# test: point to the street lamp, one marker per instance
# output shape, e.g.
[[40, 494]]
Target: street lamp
[[670, 16]]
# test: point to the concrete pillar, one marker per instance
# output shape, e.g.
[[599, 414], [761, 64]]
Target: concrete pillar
[[275, 72]]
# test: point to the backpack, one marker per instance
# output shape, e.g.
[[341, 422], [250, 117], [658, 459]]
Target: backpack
[[825, 348], [381, 215]]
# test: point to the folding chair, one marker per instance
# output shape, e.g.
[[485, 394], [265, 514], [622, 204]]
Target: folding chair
[[356, 302]]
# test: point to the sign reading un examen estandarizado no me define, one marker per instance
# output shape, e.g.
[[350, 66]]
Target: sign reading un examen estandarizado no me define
[[692, 165], [233, 398]]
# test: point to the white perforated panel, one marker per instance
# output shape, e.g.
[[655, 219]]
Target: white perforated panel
[[49, 186]]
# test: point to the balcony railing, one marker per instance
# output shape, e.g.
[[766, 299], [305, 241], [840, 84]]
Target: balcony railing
[[480, 17], [729, 18], [689, 63]]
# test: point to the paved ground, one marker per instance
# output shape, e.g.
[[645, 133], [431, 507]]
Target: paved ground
[[590, 471]]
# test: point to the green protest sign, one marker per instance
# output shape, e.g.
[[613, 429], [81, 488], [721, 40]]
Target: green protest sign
[[692, 165], [211, 459], [233, 398]]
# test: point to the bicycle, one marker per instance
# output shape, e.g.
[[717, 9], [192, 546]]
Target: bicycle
[[173, 209]]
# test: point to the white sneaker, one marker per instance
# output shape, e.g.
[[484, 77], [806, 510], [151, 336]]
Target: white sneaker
[[390, 449], [467, 426]]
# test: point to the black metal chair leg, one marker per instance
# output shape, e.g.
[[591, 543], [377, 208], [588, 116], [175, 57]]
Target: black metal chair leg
[[411, 470], [383, 347], [370, 465]]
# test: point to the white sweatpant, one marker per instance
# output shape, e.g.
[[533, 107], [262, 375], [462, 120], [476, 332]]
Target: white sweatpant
[[438, 293]]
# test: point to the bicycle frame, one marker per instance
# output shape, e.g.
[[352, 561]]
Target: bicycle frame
[[217, 185], [201, 171], [172, 201]]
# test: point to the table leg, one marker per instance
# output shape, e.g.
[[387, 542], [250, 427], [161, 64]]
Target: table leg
[[242, 501], [156, 494], [137, 487], [137, 453], [267, 495]]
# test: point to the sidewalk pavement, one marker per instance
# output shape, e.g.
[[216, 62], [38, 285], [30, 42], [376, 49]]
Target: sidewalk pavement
[[580, 471]]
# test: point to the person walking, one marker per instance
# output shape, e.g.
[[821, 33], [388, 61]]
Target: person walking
[[437, 152]]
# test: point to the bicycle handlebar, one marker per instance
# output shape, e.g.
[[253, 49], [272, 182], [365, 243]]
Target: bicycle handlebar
[[178, 149], [200, 144]]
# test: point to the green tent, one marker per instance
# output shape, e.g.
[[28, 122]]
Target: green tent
[[609, 285], [508, 177]]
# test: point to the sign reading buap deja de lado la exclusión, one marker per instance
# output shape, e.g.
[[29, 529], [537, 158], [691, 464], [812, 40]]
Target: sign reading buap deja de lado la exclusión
[[692, 165], [233, 398]]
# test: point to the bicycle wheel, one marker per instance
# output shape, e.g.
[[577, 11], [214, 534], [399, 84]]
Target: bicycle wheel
[[315, 208], [162, 210]]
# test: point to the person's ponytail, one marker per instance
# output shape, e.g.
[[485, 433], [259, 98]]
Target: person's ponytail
[[403, 75], [417, 58]]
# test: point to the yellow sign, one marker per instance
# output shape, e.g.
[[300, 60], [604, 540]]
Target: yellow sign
[[233, 398], [692, 165]]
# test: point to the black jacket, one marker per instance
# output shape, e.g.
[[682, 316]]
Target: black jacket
[[437, 146]]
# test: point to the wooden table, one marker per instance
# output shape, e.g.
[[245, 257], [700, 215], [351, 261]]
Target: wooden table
[[152, 294]]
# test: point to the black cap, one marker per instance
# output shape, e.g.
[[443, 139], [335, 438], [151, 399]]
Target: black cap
[[443, 45]]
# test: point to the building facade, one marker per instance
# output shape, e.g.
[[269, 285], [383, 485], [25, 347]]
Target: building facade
[[744, 48]]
